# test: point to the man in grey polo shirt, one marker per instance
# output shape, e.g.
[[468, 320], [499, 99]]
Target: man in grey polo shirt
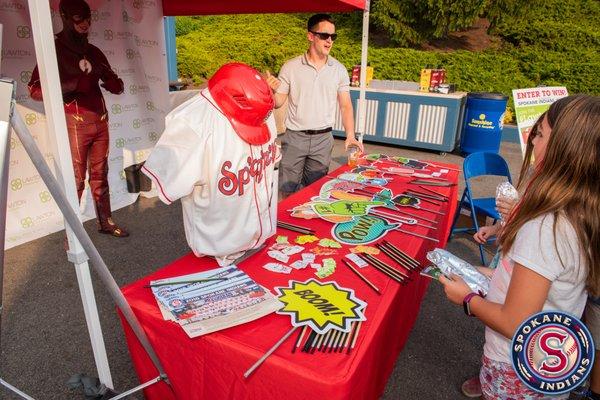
[[312, 83]]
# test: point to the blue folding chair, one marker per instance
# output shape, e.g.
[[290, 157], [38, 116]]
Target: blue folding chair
[[480, 164]]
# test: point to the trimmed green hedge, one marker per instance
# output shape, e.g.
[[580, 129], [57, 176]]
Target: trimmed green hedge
[[560, 45]]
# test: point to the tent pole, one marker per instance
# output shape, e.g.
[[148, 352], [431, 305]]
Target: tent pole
[[80, 234], [362, 111], [57, 132], [7, 95]]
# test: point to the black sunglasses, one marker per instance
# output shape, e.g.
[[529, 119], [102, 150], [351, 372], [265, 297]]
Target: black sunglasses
[[325, 35]]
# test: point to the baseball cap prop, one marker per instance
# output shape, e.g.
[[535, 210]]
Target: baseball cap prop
[[217, 154]]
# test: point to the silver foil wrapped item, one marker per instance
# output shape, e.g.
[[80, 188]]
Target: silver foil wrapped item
[[449, 264], [506, 191]]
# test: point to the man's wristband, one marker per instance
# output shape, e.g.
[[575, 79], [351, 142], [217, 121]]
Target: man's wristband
[[467, 303]]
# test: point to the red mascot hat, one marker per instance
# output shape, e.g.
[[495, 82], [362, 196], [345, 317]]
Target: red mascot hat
[[246, 100]]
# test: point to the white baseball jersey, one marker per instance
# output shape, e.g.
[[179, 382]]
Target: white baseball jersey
[[225, 184]]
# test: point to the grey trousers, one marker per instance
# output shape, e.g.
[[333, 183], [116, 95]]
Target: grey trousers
[[304, 159]]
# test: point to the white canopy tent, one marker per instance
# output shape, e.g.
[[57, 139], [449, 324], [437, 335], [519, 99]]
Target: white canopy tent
[[56, 124]]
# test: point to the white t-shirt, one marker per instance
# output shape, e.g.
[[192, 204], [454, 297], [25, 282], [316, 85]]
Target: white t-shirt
[[225, 184], [534, 248], [312, 94]]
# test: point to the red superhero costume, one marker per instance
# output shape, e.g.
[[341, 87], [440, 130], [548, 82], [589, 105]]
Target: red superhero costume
[[81, 66]]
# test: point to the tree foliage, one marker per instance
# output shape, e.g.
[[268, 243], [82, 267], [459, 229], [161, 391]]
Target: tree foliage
[[556, 43], [411, 22]]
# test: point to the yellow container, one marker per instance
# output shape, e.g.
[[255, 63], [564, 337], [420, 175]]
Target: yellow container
[[425, 80]]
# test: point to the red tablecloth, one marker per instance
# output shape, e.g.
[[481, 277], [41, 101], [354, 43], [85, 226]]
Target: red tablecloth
[[212, 366]]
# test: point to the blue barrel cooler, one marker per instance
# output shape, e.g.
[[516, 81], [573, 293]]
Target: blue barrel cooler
[[483, 122]]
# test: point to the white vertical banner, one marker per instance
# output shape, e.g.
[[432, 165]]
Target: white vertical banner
[[530, 104], [131, 36]]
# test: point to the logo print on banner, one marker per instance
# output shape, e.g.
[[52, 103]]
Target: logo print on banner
[[30, 118], [16, 184], [120, 142], [362, 230], [25, 76], [27, 222], [108, 34], [45, 196], [23, 32], [132, 87], [552, 352], [137, 123], [12, 6], [153, 136], [116, 109], [150, 106]]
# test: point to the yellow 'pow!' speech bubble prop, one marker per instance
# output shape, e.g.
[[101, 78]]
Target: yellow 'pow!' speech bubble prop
[[321, 305]]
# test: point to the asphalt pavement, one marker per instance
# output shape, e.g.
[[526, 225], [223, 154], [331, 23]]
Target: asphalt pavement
[[44, 338]]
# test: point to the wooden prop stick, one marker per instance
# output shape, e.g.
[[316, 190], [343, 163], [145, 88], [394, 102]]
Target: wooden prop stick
[[269, 352], [389, 246], [429, 210], [336, 337], [183, 282], [295, 228], [355, 337], [398, 218], [431, 183], [417, 206], [348, 336], [421, 198], [309, 341], [417, 235], [283, 223], [390, 274], [339, 340], [325, 339], [397, 250], [330, 340], [361, 276], [401, 211], [397, 257], [382, 264], [443, 166], [299, 339], [426, 195], [321, 336], [410, 261], [311, 349], [433, 192], [351, 336]]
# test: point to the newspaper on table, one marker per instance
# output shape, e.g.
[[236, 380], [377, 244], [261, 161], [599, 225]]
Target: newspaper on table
[[205, 307]]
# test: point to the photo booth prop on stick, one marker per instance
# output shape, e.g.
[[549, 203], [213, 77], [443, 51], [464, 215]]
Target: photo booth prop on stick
[[322, 306]]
